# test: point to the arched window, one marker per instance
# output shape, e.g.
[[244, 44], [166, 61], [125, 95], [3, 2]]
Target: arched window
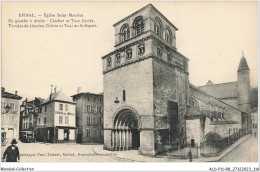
[[158, 27], [125, 32], [168, 35], [139, 25]]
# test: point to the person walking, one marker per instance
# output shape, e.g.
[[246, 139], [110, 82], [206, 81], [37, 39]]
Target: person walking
[[12, 152], [190, 155]]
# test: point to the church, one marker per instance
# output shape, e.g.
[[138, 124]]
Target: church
[[149, 104]]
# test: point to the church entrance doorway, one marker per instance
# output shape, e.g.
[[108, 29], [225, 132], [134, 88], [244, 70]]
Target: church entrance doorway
[[126, 132]]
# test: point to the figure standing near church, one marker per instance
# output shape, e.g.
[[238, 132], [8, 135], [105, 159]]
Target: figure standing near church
[[190, 155], [12, 152]]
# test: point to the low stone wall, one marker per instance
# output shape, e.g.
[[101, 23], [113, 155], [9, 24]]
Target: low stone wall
[[183, 153]]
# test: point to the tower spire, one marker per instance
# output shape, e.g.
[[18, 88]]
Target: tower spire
[[243, 63]]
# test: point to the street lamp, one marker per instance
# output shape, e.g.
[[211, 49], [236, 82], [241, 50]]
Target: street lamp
[[229, 135], [116, 101]]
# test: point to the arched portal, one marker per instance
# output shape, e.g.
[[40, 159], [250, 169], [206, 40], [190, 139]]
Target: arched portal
[[125, 134], [212, 139]]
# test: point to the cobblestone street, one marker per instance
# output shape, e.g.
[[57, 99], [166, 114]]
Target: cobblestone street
[[246, 151]]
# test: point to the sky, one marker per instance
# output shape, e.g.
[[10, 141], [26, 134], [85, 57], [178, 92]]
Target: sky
[[212, 35]]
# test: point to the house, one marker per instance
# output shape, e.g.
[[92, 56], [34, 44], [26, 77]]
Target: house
[[10, 112], [89, 117], [56, 121]]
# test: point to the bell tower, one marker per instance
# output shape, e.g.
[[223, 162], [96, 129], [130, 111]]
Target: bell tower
[[243, 79], [145, 85]]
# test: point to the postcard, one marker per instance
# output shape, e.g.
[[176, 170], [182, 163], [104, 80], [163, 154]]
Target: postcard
[[158, 82]]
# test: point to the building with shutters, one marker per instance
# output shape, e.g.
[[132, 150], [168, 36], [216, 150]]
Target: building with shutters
[[10, 115], [28, 114], [89, 117], [56, 121]]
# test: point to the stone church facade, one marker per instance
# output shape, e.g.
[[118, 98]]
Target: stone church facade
[[148, 100]]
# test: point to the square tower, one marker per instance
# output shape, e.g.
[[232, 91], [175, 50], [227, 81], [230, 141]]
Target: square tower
[[145, 85]]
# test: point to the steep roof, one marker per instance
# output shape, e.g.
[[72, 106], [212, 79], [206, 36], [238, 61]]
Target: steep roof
[[210, 95], [58, 96], [222, 90], [243, 63]]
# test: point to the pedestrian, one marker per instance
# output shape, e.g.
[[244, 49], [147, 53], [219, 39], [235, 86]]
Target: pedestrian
[[190, 155], [12, 153]]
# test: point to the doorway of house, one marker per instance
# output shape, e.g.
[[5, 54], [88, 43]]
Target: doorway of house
[[66, 135]]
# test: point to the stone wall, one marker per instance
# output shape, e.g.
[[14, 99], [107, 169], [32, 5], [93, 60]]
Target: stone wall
[[170, 84], [136, 80], [194, 131], [230, 121]]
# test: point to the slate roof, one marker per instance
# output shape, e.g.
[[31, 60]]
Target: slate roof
[[243, 64], [222, 90], [58, 96], [10, 95]]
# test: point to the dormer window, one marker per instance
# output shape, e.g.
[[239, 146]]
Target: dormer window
[[128, 54], [139, 25], [125, 33], [159, 51], [118, 58], [109, 62], [141, 49]]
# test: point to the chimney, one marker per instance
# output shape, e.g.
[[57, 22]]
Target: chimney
[[51, 92], [51, 89], [16, 92], [55, 89], [79, 90], [3, 89]]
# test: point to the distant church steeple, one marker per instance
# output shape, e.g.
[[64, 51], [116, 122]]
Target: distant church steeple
[[243, 63]]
